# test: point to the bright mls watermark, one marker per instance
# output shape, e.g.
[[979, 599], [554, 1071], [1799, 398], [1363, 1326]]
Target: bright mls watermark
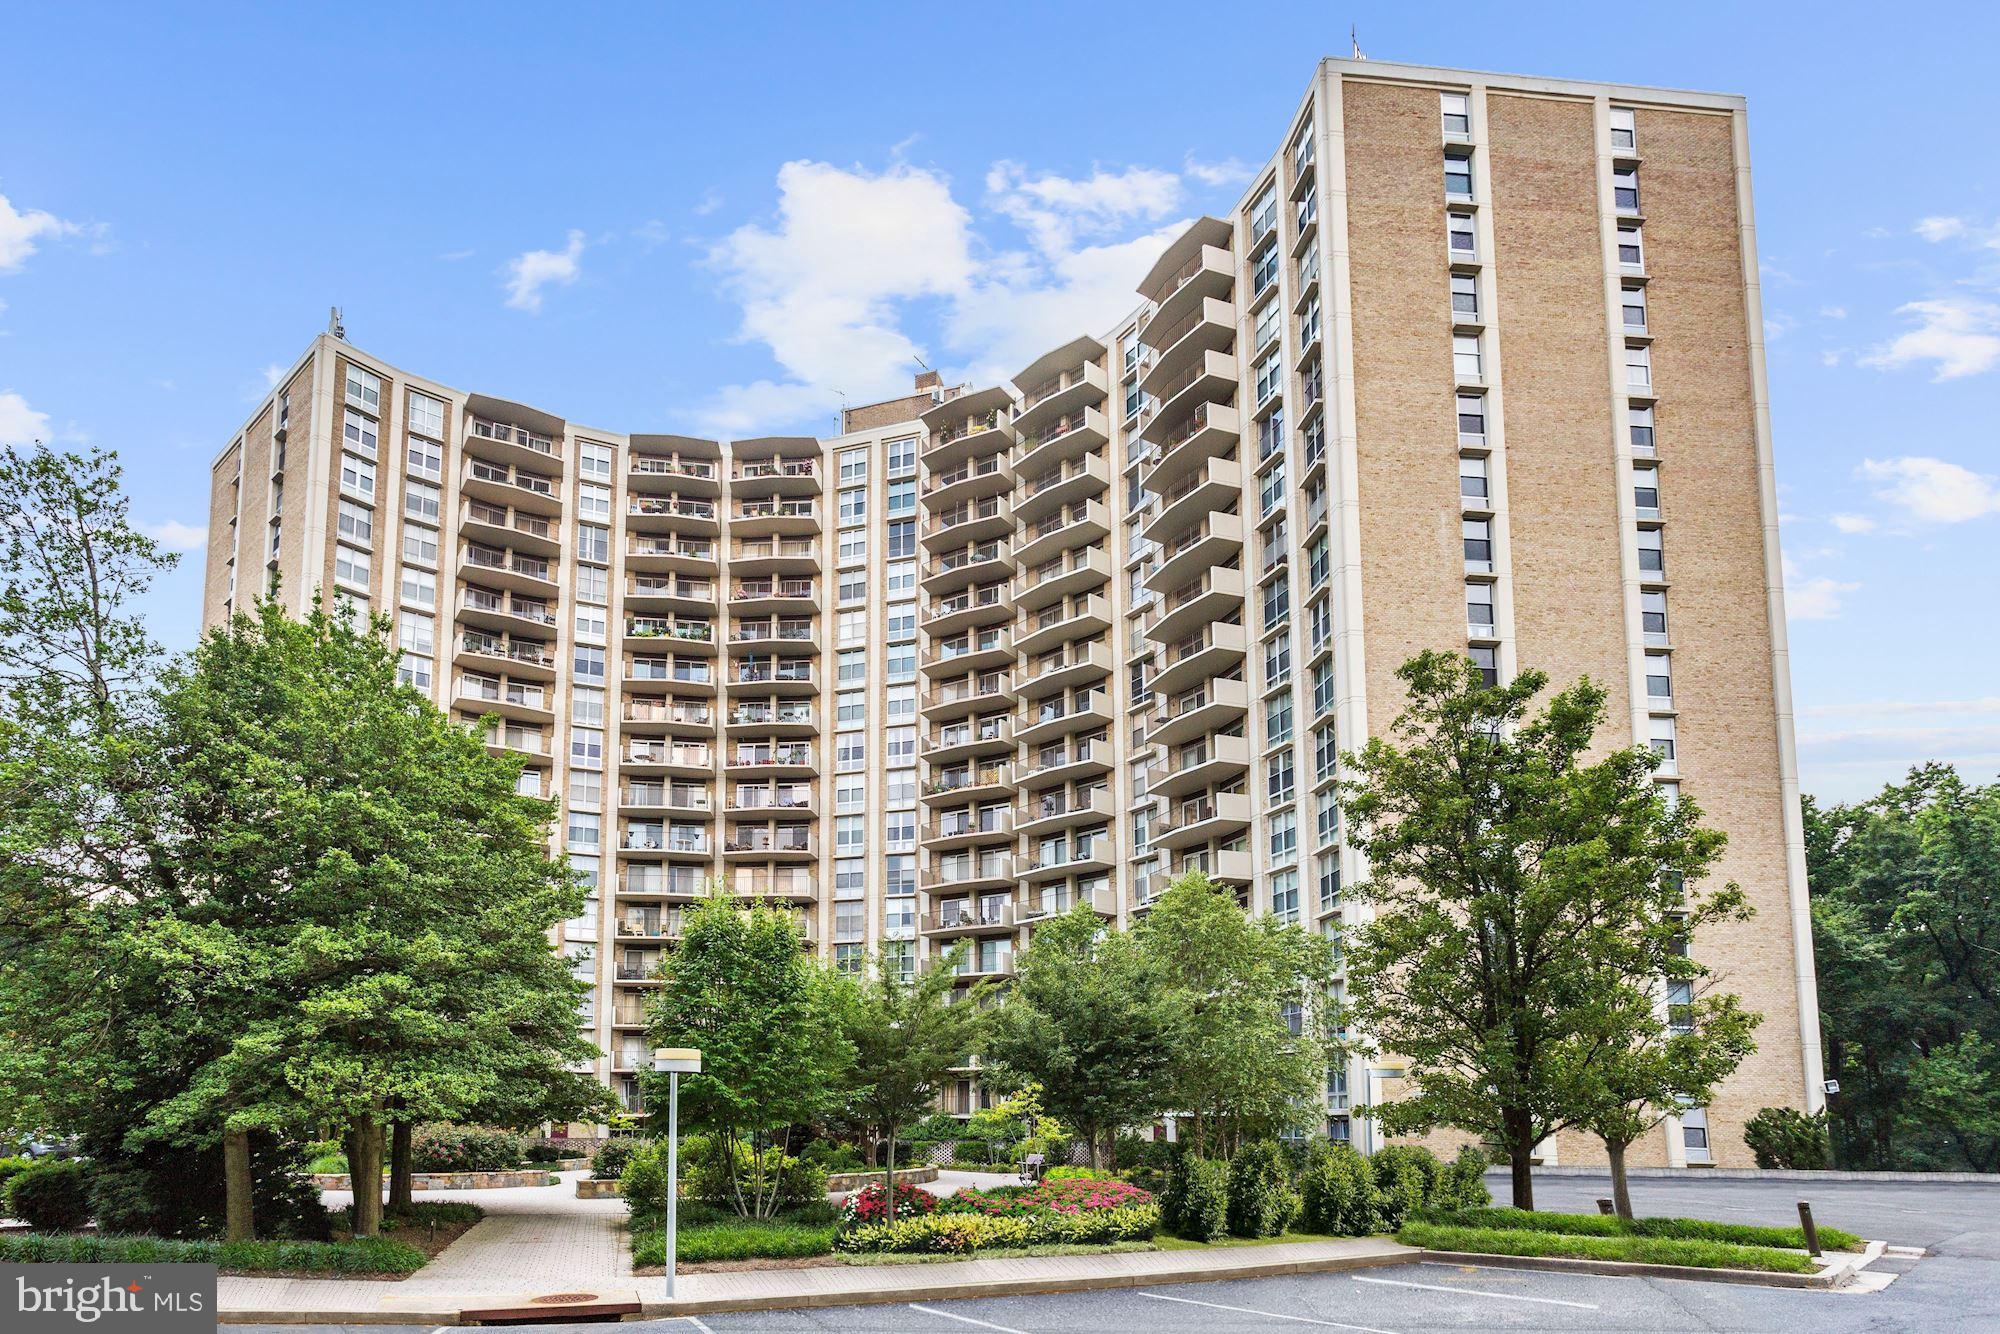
[[161, 1299]]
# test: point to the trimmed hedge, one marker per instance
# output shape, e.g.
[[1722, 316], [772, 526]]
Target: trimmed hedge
[[608, 1163], [1406, 1178], [736, 1240], [421, 1213], [1785, 1137], [967, 1234], [1641, 1250], [53, 1195], [364, 1255], [1194, 1205], [1601, 1225]]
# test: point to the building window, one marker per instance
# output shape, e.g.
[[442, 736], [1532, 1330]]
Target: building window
[[1488, 664], [420, 501], [1472, 419], [1646, 492], [902, 498], [357, 476], [854, 505], [1278, 660], [426, 415], [1465, 360], [902, 456], [1284, 836], [1458, 175], [853, 666], [1659, 676], [1478, 535], [1465, 296], [358, 434], [364, 388], [426, 457], [1278, 719], [412, 670], [594, 460], [1632, 299], [853, 585], [1653, 612], [1460, 235], [1472, 483], [351, 565], [420, 587], [1479, 608], [1269, 376], [1631, 246], [850, 752], [1281, 776], [1271, 487], [1624, 128], [1640, 418], [1277, 602], [1625, 189], [1285, 897], [357, 522], [420, 544], [853, 465], [1264, 270], [1638, 366], [1652, 552], [1264, 213]]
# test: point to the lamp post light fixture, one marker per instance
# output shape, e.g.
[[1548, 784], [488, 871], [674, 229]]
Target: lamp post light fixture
[[676, 1061]]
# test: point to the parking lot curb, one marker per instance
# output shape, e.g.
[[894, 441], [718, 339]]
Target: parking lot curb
[[1831, 1277], [920, 1287]]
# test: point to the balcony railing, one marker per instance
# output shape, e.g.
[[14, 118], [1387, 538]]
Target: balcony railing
[[654, 466], [513, 435]]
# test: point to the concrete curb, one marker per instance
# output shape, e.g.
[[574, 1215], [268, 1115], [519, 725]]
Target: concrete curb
[[942, 1287], [1762, 1174], [1831, 1277]]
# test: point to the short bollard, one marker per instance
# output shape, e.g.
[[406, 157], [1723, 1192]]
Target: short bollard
[[1604, 1207], [1812, 1232]]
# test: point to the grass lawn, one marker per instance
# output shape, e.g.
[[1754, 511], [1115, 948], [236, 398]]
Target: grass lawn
[[1642, 1250], [1685, 1229]]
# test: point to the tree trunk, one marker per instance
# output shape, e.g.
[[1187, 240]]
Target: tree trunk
[[236, 1185], [1520, 1150], [1091, 1137], [402, 1156], [364, 1170], [889, 1177], [1621, 1191]]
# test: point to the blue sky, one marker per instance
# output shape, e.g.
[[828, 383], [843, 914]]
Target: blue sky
[[720, 218]]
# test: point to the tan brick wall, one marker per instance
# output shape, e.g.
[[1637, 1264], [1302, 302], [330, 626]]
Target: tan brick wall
[[221, 536], [1562, 482], [305, 437], [1718, 615], [873, 416], [1413, 565]]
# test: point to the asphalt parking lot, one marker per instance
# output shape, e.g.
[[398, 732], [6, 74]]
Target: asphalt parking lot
[[1956, 1287]]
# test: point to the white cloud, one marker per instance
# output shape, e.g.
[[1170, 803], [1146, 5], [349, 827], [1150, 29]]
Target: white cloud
[[175, 535], [1833, 312], [1057, 210], [1879, 707], [1229, 171], [1931, 490], [19, 423], [711, 200], [651, 233], [1777, 324], [529, 273], [831, 284], [19, 231], [1854, 523], [272, 374], [1812, 597], [1831, 357], [1940, 229], [454, 256], [1959, 333]]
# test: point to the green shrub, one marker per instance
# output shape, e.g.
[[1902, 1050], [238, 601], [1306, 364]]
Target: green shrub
[[1462, 1182], [364, 1255], [53, 1195], [965, 1234], [833, 1157], [1261, 1200], [1785, 1137], [9, 1169], [707, 1176], [608, 1163], [1405, 1181], [1066, 1173], [328, 1164], [1603, 1225], [736, 1239], [445, 1147], [1145, 1177], [1195, 1203], [1641, 1250], [556, 1151], [976, 1154], [643, 1181], [1337, 1193]]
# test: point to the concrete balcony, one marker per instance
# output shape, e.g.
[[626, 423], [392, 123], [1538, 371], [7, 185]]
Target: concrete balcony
[[672, 514], [1176, 445], [973, 650], [1044, 720], [526, 660], [775, 477], [1204, 599], [654, 474], [664, 554], [1206, 271], [1067, 437], [774, 517], [1045, 814], [523, 489], [965, 828], [481, 694], [1194, 821], [671, 593], [774, 555], [1208, 652], [683, 760], [968, 427], [1064, 763], [1077, 525], [968, 524], [649, 715], [1195, 713], [1076, 571], [972, 480], [1060, 382], [972, 740], [1203, 326], [969, 608], [1071, 483], [967, 871], [973, 694], [968, 783], [1080, 664], [774, 594], [501, 526], [958, 918], [1199, 765], [1060, 622], [772, 717], [977, 563], [1213, 486]]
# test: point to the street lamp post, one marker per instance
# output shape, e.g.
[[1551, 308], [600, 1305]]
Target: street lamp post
[[676, 1061]]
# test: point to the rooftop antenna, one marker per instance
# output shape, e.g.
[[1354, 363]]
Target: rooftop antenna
[[1354, 40], [843, 412], [333, 324]]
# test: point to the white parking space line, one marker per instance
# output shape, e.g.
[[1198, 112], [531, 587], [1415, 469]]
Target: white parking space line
[[698, 1325], [983, 1324], [1268, 1315], [1475, 1292]]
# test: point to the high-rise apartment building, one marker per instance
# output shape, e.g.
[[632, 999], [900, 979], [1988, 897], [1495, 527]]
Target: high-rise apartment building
[[1476, 363]]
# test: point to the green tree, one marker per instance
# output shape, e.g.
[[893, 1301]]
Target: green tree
[[1516, 889], [908, 1033], [366, 930], [1084, 1022], [1248, 1035], [741, 987], [1666, 1062], [1906, 936]]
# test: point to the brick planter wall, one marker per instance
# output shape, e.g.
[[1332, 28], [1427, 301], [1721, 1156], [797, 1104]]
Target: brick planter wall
[[530, 1176], [590, 1188], [842, 1182]]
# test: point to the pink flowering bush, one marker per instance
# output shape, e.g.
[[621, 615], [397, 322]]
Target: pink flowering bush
[[1072, 1197], [870, 1205]]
